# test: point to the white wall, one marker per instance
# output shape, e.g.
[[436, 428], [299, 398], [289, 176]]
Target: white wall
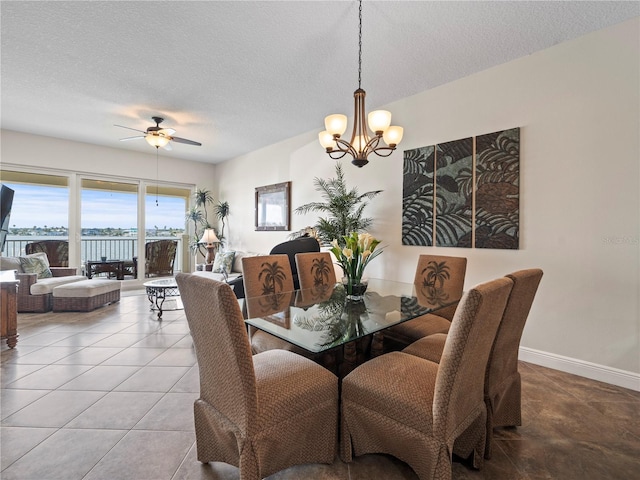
[[578, 108], [27, 150]]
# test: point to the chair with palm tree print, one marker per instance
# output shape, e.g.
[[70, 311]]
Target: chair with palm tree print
[[268, 289], [293, 247], [438, 284], [316, 275]]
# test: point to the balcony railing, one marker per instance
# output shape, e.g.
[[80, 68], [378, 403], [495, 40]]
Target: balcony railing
[[94, 248]]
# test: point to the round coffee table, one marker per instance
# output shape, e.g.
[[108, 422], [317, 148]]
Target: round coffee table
[[159, 290]]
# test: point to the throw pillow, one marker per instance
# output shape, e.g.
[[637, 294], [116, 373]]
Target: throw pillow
[[223, 262], [36, 263]]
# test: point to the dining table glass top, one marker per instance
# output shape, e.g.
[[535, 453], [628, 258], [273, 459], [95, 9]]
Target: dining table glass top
[[322, 318]]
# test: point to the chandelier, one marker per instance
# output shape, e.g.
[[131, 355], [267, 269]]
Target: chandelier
[[361, 144]]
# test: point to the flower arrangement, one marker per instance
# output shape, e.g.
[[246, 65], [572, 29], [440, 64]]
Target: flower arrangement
[[359, 250]]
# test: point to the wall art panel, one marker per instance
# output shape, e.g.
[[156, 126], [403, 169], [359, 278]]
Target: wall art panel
[[454, 180], [463, 193], [418, 196], [498, 189]]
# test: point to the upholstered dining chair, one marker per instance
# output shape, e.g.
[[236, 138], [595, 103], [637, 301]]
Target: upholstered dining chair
[[316, 275], [502, 386], [415, 409], [266, 276], [160, 256], [262, 413], [57, 251], [291, 248], [439, 280]]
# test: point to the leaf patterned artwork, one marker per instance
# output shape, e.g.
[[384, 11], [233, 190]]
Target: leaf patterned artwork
[[443, 183], [418, 196], [454, 163], [498, 189]]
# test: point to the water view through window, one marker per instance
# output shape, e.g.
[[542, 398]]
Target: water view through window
[[108, 212]]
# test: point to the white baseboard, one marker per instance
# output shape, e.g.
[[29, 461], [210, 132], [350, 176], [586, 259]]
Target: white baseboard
[[614, 376]]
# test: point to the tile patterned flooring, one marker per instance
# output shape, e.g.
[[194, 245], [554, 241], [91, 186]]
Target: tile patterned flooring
[[109, 394]]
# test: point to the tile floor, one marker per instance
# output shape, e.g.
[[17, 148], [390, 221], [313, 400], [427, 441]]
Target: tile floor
[[108, 395]]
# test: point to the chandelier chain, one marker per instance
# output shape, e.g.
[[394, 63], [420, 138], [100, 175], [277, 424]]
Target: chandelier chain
[[360, 45]]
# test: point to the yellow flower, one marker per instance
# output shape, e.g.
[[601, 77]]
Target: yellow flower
[[334, 243], [365, 254], [347, 252]]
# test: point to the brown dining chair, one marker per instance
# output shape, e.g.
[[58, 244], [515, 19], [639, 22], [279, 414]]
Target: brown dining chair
[[415, 409], [291, 248], [502, 387], [439, 280], [262, 413], [57, 251], [267, 278], [316, 275]]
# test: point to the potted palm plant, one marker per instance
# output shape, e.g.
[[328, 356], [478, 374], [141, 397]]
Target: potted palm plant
[[343, 208], [221, 211]]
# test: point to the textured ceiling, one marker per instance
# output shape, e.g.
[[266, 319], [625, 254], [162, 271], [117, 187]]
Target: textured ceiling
[[240, 75]]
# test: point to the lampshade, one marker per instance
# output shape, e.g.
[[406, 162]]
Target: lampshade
[[326, 139], [379, 120], [393, 135], [336, 124], [209, 237], [156, 140]]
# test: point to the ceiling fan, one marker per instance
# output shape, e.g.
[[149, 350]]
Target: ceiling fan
[[158, 136]]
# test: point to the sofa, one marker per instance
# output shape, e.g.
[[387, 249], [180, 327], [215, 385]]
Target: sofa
[[35, 290], [231, 262]]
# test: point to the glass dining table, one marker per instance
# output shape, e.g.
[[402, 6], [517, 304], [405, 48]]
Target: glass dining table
[[322, 319]]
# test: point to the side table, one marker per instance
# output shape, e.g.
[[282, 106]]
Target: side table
[[9, 311], [159, 290]]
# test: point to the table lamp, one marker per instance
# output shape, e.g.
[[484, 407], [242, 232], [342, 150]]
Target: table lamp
[[209, 237]]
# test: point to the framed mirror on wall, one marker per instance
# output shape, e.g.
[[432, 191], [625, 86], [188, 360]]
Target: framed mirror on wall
[[273, 207]]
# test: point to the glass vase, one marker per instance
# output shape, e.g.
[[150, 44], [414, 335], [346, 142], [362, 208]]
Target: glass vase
[[354, 288]]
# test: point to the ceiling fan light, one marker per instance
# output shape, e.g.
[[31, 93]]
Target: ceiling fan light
[[336, 124], [379, 120], [393, 136], [156, 140]]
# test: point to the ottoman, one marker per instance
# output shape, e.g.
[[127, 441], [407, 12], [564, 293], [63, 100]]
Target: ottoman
[[85, 295]]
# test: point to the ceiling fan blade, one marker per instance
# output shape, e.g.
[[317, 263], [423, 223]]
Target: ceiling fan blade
[[167, 131], [130, 138], [184, 140], [168, 146], [129, 128]]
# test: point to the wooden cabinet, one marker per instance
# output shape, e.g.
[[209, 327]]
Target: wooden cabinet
[[9, 311]]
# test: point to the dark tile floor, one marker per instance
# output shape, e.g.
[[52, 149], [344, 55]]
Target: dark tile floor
[[109, 394]]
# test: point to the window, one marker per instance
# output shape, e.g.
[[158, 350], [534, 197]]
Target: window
[[40, 209], [109, 220], [165, 209]]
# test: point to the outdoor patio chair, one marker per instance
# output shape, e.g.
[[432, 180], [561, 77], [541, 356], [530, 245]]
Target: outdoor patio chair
[[57, 251], [160, 256]]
